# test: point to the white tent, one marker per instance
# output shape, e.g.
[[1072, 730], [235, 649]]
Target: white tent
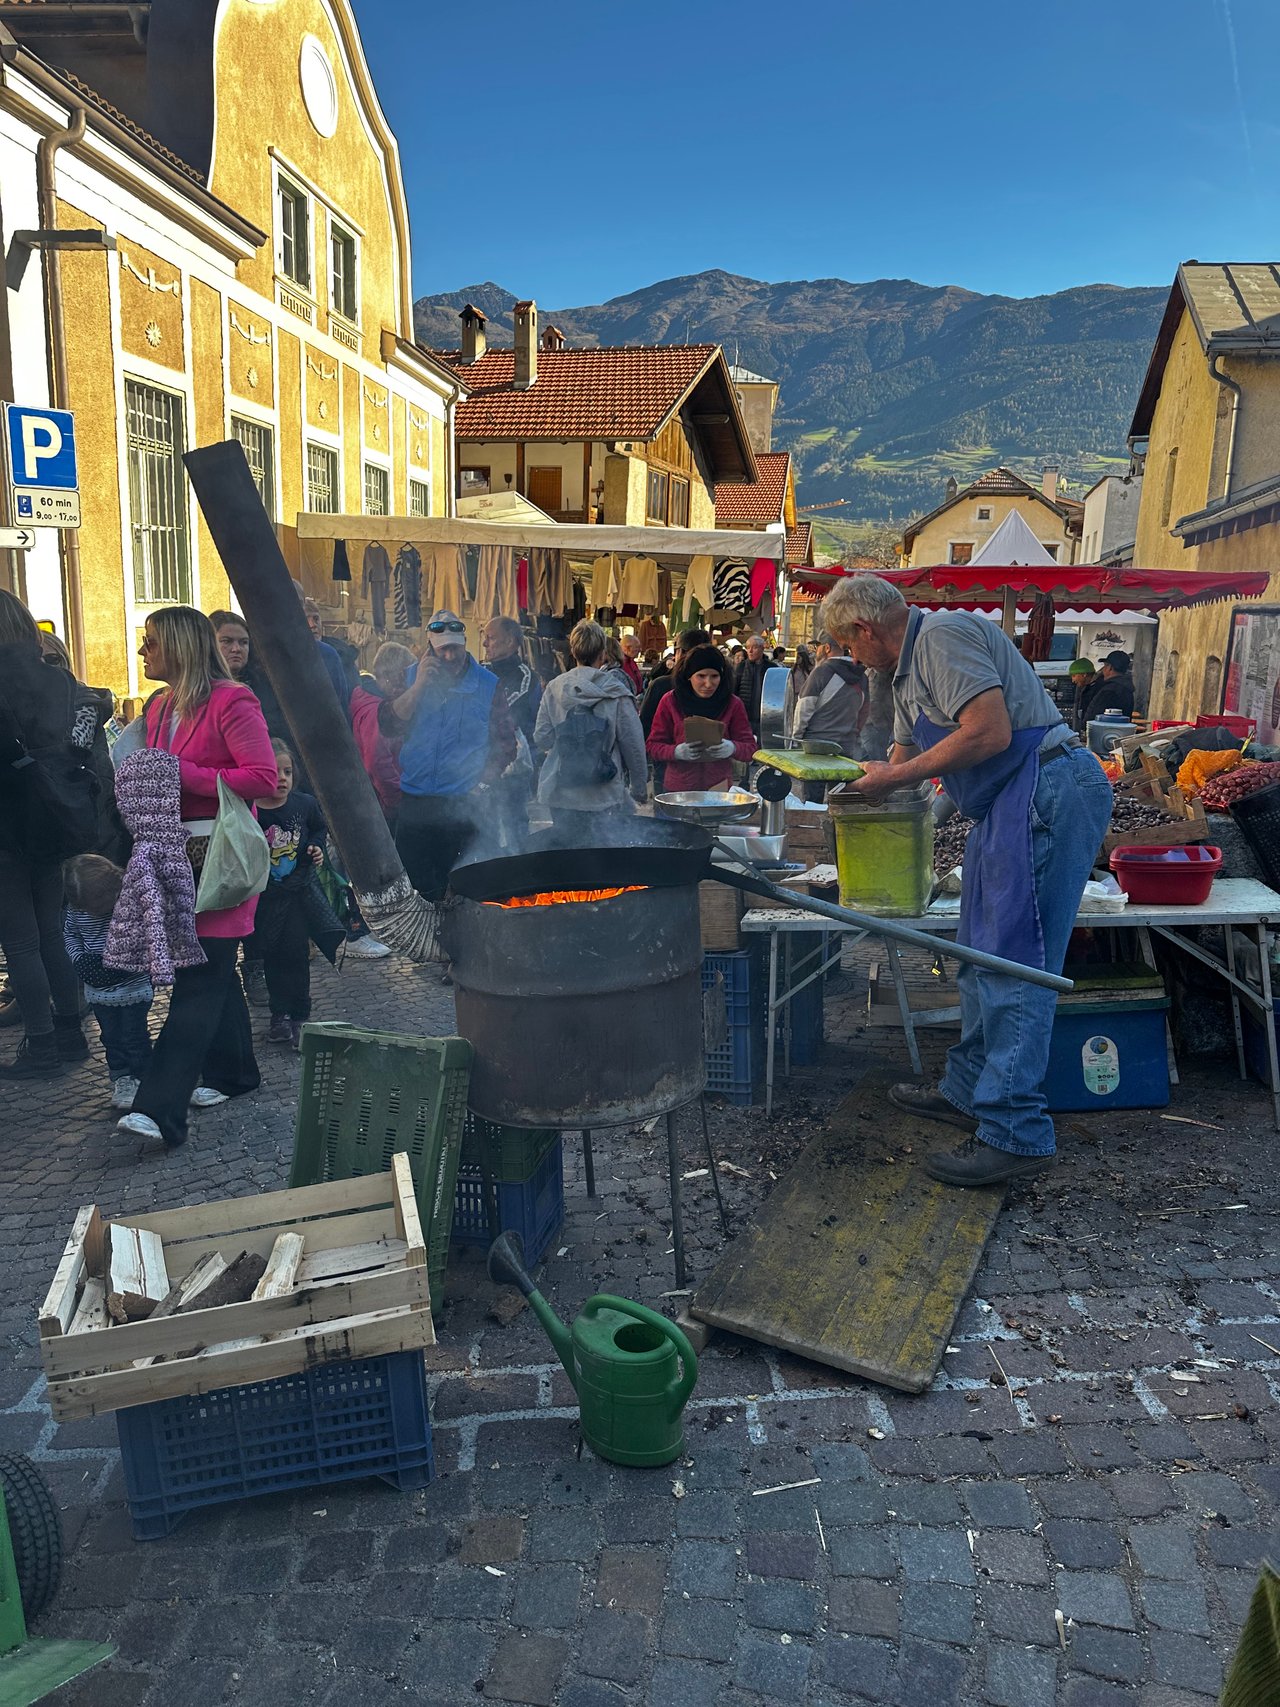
[[1012, 546]]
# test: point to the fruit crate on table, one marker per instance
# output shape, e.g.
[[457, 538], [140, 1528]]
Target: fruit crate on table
[[532, 1207], [360, 1290], [336, 1422], [365, 1095]]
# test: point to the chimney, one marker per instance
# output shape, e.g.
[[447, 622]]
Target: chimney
[[473, 338], [951, 488], [526, 318], [1049, 481], [553, 338]]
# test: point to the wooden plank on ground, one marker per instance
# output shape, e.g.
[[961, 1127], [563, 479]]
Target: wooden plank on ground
[[856, 1260]]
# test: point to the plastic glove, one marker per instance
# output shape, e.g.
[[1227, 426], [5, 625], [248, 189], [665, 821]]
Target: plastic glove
[[690, 753], [721, 750]]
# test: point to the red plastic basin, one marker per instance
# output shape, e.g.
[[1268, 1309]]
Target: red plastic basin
[[1166, 877]]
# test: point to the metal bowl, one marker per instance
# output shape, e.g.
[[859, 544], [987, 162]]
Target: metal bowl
[[708, 805]]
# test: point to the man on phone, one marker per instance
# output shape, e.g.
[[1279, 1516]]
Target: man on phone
[[458, 738]]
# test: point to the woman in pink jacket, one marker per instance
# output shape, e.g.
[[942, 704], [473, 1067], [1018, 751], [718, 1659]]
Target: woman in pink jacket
[[215, 728], [702, 687]]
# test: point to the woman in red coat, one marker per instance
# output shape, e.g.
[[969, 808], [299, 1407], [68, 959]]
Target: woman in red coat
[[702, 687], [215, 728]]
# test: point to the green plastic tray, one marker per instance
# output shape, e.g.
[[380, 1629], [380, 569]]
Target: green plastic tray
[[366, 1095], [811, 767]]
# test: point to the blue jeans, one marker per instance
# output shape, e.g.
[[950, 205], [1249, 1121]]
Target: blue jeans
[[125, 1038], [996, 1071]]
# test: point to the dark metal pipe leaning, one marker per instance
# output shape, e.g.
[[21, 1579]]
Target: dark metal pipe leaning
[[282, 641], [753, 885]]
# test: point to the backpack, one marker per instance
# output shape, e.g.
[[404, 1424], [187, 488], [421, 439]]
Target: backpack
[[583, 747], [51, 792]]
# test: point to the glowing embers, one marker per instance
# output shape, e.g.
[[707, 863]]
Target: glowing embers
[[563, 897]]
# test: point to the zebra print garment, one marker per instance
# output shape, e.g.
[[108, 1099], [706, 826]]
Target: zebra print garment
[[731, 586]]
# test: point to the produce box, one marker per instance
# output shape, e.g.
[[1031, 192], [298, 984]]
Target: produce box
[[719, 910], [341, 1272]]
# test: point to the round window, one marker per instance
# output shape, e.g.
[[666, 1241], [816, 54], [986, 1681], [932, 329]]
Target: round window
[[319, 90]]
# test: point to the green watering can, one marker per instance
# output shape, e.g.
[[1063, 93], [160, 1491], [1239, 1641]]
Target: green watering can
[[631, 1368]]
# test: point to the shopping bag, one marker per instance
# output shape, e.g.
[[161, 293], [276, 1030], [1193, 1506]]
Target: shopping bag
[[237, 861]]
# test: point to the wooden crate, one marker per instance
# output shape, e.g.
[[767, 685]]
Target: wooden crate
[[1153, 786], [361, 1290], [720, 909]]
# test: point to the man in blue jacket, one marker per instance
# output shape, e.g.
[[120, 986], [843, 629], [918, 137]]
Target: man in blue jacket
[[458, 738]]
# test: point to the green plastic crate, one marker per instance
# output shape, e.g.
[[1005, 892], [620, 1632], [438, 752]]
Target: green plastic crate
[[512, 1154], [366, 1095]]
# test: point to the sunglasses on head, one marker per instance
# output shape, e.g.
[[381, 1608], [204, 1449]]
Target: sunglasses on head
[[446, 628]]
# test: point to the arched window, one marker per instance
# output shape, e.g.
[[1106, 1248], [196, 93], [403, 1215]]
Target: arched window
[[1211, 692]]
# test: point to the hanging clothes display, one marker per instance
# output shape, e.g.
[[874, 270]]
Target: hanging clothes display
[[652, 634], [495, 582], [447, 590], [764, 579], [375, 581], [604, 581], [639, 583], [698, 582], [408, 587], [522, 582], [731, 586], [341, 570]]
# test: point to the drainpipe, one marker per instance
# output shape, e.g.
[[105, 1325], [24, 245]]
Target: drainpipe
[[1233, 386], [451, 453], [59, 381]]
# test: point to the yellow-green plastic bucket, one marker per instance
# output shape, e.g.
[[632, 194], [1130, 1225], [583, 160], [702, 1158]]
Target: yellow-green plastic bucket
[[884, 850]]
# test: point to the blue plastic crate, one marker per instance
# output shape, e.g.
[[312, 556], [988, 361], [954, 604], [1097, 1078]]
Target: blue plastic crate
[[737, 1066], [534, 1208], [804, 1011], [1255, 1034], [1108, 1055], [335, 1422]]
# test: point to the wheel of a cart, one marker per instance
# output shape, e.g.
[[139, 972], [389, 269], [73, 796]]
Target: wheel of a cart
[[34, 1530]]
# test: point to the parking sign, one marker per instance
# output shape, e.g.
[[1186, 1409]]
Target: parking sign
[[40, 462]]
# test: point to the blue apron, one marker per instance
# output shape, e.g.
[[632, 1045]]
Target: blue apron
[[998, 907]]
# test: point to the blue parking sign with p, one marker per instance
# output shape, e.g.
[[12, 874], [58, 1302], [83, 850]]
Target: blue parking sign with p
[[41, 447]]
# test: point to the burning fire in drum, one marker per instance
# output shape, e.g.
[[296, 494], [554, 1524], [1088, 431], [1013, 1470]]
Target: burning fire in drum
[[584, 1006]]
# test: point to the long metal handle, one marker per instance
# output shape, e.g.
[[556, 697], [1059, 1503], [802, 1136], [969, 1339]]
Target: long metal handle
[[738, 879]]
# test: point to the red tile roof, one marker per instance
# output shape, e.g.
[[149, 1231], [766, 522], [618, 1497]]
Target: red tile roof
[[762, 500], [1001, 482], [800, 543], [622, 393], [103, 105]]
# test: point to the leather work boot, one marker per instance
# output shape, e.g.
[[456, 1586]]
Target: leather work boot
[[976, 1163], [931, 1104]]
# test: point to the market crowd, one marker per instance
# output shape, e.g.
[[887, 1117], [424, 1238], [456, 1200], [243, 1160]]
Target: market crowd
[[124, 847]]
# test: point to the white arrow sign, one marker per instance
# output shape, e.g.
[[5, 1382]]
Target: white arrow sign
[[17, 539]]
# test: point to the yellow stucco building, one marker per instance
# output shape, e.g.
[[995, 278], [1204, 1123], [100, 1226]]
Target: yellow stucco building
[[255, 283], [968, 516], [1209, 418]]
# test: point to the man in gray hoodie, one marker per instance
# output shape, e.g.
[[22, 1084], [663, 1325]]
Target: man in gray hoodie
[[589, 727]]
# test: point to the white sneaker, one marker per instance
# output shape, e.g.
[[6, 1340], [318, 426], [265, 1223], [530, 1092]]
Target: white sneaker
[[368, 948], [140, 1125], [204, 1096], [123, 1091]]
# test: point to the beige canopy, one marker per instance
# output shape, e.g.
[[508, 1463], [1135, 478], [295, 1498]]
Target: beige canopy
[[669, 545]]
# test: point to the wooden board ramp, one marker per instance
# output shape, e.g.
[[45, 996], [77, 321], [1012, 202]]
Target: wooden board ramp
[[857, 1259]]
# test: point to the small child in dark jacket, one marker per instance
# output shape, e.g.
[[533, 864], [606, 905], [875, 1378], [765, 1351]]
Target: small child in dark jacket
[[120, 1001], [292, 908]]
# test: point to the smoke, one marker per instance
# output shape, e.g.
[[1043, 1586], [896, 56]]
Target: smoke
[[1228, 24]]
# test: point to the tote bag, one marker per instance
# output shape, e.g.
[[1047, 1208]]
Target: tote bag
[[237, 860]]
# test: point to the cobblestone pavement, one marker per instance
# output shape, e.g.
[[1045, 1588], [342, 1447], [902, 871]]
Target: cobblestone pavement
[[1124, 1477]]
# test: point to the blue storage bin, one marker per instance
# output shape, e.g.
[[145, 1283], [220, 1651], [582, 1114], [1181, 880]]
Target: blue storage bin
[[737, 1066], [534, 1208], [335, 1422], [1108, 1054], [804, 1012], [1255, 1039]]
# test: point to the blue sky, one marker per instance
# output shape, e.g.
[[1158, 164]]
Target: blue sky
[[575, 151]]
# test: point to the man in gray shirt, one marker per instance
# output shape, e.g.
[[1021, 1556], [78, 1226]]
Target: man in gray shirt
[[969, 708]]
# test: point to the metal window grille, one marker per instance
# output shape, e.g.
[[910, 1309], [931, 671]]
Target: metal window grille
[[322, 480], [295, 244], [342, 278], [157, 495], [419, 498], [377, 490], [258, 444]]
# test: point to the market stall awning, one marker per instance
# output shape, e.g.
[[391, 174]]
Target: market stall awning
[[581, 540], [969, 585]]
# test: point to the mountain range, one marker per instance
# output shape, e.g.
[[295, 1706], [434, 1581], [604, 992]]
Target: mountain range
[[889, 387]]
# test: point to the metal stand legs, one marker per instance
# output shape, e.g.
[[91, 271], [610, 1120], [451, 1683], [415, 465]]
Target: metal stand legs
[[711, 1163], [588, 1162], [677, 1211]]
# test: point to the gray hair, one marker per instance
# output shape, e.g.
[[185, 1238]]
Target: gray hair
[[508, 626], [588, 642], [392, 654], [862, 598]]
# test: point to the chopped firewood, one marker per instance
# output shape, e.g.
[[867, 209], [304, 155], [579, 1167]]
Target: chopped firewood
[[232, 1286], [192, 1284], [136, 1277], [282, 1267]]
